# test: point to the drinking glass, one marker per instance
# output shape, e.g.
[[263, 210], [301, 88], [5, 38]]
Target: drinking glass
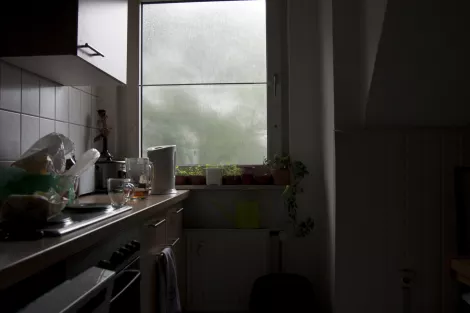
[[140, 173], [120, 191]]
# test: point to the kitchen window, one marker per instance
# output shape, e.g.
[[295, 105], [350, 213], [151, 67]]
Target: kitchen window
[[210, 80]]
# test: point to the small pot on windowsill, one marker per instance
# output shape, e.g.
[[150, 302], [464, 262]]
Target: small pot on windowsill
[[281, 176], [265, 179], [197, 180], [248, 175], [232, 180], [181, 180]]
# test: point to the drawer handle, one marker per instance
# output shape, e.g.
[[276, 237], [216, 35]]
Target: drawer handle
[[179, 211], [171, 245], [96, 52], [160, 222]]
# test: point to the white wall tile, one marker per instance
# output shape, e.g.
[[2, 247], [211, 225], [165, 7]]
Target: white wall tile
[[86, 89], [10, 87], [74, 106], [46, 127], [77, 134], [29, 131], [47, 99], [29, 93], [4, 164], [62, 128], [62, 103], [85, 103], [94, 114], [10, 132]]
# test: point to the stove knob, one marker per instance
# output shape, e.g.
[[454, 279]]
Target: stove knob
[[117, 258], [136, 244], [125, 251], [106, 265], [131, 247]]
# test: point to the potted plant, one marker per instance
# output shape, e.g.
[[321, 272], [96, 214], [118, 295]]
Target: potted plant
[[248, 176], [232, 175], [280, 169], [181, 177], [196, 175], [262, 176], [299, 171]]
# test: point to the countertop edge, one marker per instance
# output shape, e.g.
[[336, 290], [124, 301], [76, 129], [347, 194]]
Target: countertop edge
[[17, 271]]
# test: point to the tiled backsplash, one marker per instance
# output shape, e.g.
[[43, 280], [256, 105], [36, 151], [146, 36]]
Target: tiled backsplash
[[31, 107]]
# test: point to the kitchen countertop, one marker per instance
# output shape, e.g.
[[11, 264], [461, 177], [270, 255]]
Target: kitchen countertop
[[21, 259]]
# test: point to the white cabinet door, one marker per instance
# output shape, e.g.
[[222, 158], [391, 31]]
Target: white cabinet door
[[222, 266], [102, 26]]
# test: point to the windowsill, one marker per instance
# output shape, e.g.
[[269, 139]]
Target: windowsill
[[230, 187]]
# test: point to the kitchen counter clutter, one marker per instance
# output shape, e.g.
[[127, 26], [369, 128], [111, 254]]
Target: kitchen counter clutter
[[21, 259]]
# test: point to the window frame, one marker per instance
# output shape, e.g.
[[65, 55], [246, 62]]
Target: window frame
[[276, 71]]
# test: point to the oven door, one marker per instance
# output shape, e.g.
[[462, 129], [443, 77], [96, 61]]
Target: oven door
[[126, 291], [90, 292]]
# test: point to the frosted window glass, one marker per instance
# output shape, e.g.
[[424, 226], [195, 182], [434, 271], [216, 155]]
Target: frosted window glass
[[204, 42], [212, 124]]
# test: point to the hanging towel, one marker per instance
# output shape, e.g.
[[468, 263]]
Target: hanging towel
[[160, 282], [172, 298]]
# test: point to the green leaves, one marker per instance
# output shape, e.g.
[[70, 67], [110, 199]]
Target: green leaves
[[299, 171], [231, 170]]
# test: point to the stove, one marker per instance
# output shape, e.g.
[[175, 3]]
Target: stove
[[69, 220]]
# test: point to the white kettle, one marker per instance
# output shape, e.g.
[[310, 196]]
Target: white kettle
[[164, 160]]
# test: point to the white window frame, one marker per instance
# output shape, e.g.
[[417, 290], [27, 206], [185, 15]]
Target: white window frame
[[277, 75]]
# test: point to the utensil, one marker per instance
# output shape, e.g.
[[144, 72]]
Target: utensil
[[140, 172], [85, 162], [120, 191]]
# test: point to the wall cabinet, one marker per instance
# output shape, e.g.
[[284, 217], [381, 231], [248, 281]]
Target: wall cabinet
[[78, 42]]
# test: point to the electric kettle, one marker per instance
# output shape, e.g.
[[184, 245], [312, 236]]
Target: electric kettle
[[163, 159]]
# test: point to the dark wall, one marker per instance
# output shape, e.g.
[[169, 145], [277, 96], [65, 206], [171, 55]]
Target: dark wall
[[421, 69]]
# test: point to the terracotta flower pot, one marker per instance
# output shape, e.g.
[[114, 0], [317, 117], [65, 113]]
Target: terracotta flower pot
[[232, 180], [281, 176], [181, 180], [263, 179], [197, 180]]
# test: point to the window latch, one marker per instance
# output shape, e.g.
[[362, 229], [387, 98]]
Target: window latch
[[275, 85]]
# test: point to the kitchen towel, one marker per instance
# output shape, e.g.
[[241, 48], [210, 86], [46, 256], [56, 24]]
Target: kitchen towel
[[172, 298]]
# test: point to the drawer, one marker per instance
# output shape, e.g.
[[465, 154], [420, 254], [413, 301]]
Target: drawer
[[174, 230], [155, 234]]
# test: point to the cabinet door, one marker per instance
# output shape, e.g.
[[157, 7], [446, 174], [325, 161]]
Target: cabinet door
[[174, 227], [153, 238], [222, 266], [102, 35]]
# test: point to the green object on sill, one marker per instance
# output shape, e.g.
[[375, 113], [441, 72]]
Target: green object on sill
[[247, 215]]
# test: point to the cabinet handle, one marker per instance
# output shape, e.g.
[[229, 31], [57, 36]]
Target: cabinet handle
[[200, 245], [179, 211], [172, 244], [160, 222], [96, 52]]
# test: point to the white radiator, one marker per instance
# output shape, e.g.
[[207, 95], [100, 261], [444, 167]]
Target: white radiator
[[222, 265]]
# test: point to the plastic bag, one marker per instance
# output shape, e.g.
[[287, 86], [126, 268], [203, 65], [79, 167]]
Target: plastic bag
[[47, 156]]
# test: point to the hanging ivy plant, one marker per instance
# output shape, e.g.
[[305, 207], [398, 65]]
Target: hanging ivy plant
[[299, 171]]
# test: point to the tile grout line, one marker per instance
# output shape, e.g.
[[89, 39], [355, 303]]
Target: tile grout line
[[46, 118]]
